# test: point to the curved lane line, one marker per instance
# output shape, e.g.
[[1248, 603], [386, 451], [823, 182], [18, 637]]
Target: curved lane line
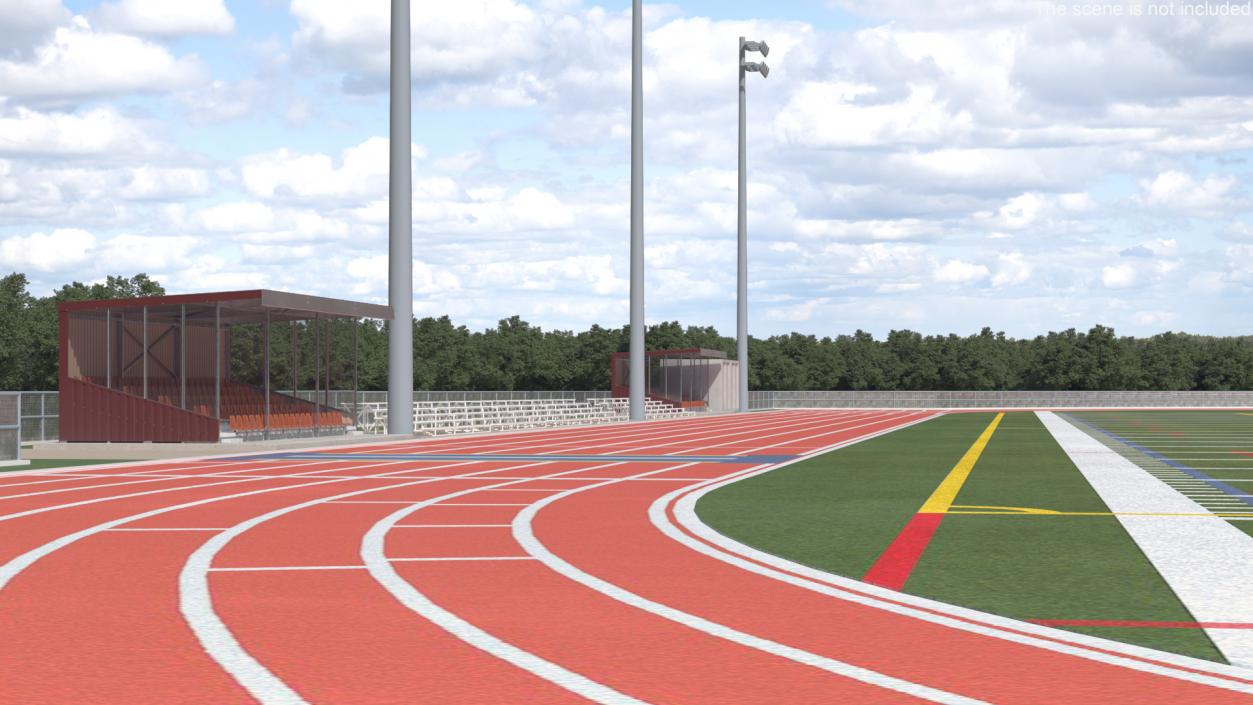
[[372, 553], [704, 539], [196, 604], [525, 535]]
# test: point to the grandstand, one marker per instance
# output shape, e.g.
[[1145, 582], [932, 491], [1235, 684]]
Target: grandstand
[[183, 368], [687, 378]]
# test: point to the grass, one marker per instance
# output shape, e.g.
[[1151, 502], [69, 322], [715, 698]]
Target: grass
[[53, 464], [837, 512]]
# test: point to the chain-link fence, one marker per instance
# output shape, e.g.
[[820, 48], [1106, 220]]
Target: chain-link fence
[[996, 400], [41, 416], [39, 412], [10, 429]]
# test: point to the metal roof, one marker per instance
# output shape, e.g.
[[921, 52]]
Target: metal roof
[[237, 306], [702, 353]]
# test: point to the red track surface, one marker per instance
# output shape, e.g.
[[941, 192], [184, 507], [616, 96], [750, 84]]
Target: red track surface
[[95, 612]]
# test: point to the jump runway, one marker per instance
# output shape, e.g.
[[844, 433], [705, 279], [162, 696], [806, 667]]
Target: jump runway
[[555, 566]]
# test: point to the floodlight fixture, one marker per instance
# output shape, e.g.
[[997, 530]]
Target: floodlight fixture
[[741, 289], [757, 67]]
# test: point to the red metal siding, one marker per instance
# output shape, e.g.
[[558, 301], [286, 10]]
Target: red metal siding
[[92, 413]]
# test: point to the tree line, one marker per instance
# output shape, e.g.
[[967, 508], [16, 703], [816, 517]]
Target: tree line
[[516, 355]]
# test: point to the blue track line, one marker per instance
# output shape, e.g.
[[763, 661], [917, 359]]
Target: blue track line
[[446, 457], [1194, 473]]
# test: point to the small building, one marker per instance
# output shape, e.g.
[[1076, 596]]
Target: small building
[[687, 378], [188, 368]]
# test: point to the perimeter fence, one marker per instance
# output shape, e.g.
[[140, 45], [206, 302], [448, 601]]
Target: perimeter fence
[[10, 428], [39, 411], [995, 400]]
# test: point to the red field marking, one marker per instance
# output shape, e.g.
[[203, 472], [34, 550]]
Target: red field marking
[[1139, 624], [606, 532], [893, 567], [1242, 452]]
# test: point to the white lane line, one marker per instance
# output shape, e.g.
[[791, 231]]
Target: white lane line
[[110, 498], [437, 559], [269, 568], [196, 604], [165, 528], [704, 539], [524, 533], [1206, 561], [382, 570], [453, 526]]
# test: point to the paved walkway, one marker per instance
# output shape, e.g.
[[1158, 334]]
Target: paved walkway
[[1205, 560]]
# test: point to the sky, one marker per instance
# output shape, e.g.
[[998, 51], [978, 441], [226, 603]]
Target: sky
[[937, 166]]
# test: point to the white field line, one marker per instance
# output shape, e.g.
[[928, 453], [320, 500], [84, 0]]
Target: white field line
[[524, 533], [705, 540], [1207, 562], [197, 605]]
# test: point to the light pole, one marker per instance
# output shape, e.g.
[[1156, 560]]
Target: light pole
[[741, 303], [637, 214], [400, 233]]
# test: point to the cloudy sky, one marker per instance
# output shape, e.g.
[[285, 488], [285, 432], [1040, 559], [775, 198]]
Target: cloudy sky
[[939, 166]]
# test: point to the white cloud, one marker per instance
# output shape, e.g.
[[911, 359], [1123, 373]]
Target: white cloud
[[450, 40], [1178, 191], [1012, 269], [152, 183], [140, 253], [79, 62], [96, 132], [361, 172], [957, 272], [1118, 276], [26, 22], [161, 18], [235, 217], [62, 250]]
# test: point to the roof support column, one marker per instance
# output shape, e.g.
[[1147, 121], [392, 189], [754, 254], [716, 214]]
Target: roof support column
[[265, 338]]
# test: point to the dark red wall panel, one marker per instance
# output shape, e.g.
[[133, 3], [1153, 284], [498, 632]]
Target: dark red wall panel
[[93, 413]]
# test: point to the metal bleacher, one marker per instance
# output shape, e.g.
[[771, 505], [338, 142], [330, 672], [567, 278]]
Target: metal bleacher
[[443, 418]]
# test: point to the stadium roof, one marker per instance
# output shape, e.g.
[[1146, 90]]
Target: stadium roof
[[238, 307]]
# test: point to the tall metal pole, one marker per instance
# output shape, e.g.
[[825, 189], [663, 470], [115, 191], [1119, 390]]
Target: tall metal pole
[[637, 213], [400, 233], [741, 284]]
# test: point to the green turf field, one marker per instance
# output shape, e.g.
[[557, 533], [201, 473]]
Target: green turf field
[[1217, 445], [839, 511]]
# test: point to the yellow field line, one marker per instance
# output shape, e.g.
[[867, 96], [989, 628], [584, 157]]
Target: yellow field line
[[942, 499]]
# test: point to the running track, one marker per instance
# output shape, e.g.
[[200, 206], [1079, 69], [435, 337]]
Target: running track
[[523, 580]]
